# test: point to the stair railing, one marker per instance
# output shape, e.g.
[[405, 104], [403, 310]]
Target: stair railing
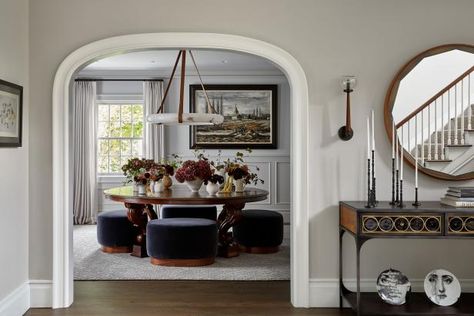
[[455, 103]]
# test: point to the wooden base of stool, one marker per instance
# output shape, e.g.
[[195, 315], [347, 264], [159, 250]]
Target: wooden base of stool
[[116, 249], [260, 250], [183, 262]]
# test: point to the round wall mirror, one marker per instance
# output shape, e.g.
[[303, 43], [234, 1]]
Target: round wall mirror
[[429, 108]]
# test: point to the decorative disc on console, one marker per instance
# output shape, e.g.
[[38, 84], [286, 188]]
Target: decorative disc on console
[[432, 224], [416, 224], [386, 224], [401, 224], [371, 224], [456, 224], [470, 224], [393, 286], [442, 287]]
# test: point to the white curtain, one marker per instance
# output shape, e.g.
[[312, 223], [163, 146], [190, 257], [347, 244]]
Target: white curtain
[[154, 134], [84, 153]]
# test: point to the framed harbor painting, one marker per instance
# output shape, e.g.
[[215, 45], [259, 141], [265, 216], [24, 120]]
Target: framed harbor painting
[[250, 116], [11, 103]]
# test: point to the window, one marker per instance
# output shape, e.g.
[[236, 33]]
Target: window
[[120, 135]]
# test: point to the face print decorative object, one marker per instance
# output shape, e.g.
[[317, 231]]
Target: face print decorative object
[[393, 286], [442, 287]]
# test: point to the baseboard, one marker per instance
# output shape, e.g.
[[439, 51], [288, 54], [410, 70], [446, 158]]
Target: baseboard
[[322, 293], [17, 302], [41, 293], [325, 292]]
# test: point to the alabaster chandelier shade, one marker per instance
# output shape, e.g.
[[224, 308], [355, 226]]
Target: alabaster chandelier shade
[[187, 119], [181, 118]]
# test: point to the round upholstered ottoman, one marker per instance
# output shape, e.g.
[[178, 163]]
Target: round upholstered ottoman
[[259, 231], [115, 233], [182, 242], [176, 211]]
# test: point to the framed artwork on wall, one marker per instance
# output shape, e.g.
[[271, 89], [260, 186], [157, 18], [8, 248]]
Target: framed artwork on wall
[[250, 116], [11, 106]]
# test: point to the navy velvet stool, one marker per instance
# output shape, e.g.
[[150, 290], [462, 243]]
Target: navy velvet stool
[[115, 233], [182, 242], [199, 211], [259, 231]]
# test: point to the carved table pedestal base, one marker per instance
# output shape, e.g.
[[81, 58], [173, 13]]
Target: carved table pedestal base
[[139, 214], [230, 215]]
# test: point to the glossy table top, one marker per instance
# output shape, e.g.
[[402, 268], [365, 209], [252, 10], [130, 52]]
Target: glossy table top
[[180, 194]]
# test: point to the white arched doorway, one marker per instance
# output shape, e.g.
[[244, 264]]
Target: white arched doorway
[[62, 217]]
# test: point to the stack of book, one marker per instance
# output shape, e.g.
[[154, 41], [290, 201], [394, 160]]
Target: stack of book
[[459, 197]]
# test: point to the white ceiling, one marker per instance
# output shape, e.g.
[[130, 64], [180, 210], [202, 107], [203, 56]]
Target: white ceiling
[[161, 60]]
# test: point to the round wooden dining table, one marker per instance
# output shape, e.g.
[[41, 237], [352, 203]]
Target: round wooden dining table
[[140, 211]]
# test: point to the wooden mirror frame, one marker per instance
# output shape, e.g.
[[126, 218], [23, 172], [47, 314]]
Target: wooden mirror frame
[[390, 100]]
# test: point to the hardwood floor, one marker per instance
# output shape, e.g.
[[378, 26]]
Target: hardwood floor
[[120, 298]]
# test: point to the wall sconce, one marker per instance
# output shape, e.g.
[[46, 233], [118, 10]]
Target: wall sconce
[[345, 132]]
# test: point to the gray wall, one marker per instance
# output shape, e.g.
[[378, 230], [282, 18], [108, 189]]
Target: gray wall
[[14, 161], [371, 39]]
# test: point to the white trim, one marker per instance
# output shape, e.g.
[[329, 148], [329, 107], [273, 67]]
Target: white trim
[[62, 219], [17, 302], [325, 292], [40, 293], [151, 74]]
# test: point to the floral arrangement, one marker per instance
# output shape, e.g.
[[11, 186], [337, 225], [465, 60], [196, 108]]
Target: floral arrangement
[[142, 171], [143, 178], [136, 168], [238, 170], [241, 171], [192, 170], [161, 170], [215, 178]]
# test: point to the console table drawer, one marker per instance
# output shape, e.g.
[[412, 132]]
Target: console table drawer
[[459, 224], [401, 224]]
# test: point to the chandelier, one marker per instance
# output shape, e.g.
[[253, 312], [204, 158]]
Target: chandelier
[[181, 118]]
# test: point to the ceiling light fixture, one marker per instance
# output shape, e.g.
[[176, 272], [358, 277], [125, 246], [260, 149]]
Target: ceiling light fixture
[[180, 118]]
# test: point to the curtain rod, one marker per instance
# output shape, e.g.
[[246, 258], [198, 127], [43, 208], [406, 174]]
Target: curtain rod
[[134, 79]]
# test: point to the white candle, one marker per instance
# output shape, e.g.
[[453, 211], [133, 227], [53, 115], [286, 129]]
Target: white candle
[[373, 131], [393, 140], [368, 139], [401, 155], [396, 150], [368, 150]]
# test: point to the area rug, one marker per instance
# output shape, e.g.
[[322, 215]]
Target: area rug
[[92, 264]]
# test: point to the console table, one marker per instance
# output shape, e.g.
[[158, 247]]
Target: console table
[[430, 220]]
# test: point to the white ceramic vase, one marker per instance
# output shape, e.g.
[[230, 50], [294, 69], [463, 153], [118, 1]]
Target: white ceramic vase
[[158, 187], [239, 185], [212, 188], [141, 189], [135, 186], [194, 185]]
